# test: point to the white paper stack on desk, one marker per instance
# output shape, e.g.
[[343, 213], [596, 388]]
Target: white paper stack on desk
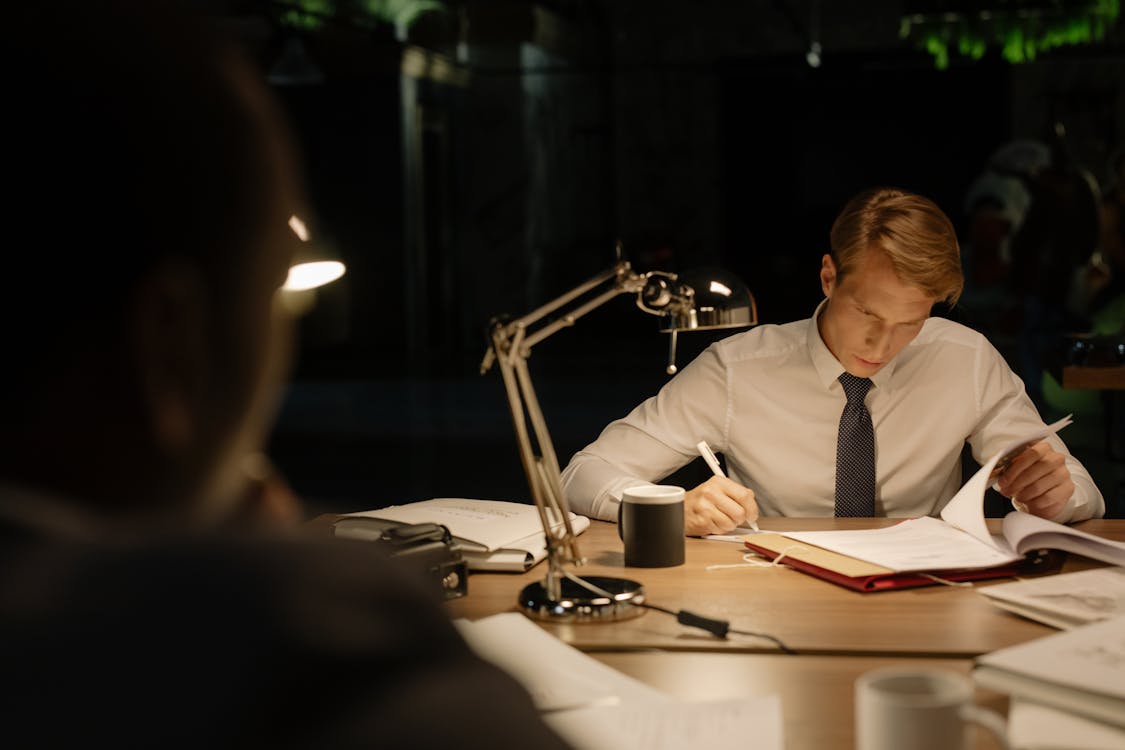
[[1066, 600], [1078, 672], [492, 534]]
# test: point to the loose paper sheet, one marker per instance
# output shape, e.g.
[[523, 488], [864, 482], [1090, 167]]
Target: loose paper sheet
[[966, 509], [594, 706], [1065, 600], [712, 725], [557, 675]]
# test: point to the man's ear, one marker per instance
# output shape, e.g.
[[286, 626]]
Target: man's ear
[[828, 275], [169, 351]]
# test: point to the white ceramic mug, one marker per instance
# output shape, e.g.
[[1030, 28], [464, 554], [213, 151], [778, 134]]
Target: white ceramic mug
[[920, 708], [650, 521]]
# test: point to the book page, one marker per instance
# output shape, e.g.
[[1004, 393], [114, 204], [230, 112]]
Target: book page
[[1027, 532], [918, 544], [966, 509]]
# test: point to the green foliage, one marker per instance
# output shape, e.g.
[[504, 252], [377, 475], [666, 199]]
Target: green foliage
[[1020, 33]]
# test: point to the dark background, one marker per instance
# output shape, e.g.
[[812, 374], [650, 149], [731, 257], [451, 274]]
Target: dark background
[[487, 158]]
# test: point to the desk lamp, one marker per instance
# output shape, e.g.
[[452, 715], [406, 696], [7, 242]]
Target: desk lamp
[[312, 267], [705, 299]]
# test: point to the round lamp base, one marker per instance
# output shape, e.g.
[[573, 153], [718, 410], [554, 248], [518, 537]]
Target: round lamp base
[[579, 604]]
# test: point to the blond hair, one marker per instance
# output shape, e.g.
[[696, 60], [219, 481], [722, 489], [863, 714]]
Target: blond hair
[[917, 238]]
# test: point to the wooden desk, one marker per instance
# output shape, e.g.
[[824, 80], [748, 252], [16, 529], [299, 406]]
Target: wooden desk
[[817, 692], [813, 617]]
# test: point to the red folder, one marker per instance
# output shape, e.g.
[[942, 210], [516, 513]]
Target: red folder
[[1040, 561]]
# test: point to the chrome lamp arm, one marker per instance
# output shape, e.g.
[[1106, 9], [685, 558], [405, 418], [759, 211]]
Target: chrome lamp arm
[[658, 293]]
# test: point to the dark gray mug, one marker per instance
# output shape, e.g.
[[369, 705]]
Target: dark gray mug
[[650, 520]]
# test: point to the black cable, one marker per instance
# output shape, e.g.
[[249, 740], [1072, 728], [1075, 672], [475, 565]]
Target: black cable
[[718, 628]]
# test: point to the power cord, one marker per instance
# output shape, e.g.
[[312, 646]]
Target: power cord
[[718, 628]]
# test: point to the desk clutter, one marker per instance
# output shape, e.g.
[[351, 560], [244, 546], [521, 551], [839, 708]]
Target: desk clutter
[[491, 535], [838, 634]]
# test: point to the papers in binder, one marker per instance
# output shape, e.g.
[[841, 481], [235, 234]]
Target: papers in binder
[[492, 534], [958, 547]]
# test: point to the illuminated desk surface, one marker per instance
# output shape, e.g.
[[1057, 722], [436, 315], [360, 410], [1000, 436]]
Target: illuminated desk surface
[[812, 616], [838, 634]]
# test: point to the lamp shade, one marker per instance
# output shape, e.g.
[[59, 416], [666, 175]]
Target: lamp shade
[[313, 265], [710, 298]]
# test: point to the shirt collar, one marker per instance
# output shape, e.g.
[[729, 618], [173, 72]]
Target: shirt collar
[[828, 368]]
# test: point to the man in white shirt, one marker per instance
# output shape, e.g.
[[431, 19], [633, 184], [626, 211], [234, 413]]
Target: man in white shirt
[[770, 399]]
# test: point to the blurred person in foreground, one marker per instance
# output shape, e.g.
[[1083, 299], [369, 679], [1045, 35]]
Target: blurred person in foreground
[[772, 399], [152, 183]]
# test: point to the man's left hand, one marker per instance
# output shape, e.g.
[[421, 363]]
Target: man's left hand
[[1038, 480]]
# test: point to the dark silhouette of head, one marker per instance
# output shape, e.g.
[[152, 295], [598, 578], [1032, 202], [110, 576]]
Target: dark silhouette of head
[[152, 180]]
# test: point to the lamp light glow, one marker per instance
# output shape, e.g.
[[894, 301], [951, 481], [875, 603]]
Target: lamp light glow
[[299, 228], [304, 276]]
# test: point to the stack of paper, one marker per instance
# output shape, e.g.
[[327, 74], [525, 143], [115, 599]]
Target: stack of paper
[[492, 534], [1035, 727], [1079, 671], [1066, 600], [595, 707]]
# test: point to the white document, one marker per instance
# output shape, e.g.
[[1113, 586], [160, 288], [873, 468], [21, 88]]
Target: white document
[[595, 707], [492, 534], [1035, 727], [1065, 600], [966, 509], [557, 675], [1080, 671], [735, 535], [917, 544], [712, 725]]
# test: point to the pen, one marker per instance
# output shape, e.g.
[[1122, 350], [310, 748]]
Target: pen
[[713, 462]]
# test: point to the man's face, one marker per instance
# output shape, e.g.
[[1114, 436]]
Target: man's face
[[871, 315]]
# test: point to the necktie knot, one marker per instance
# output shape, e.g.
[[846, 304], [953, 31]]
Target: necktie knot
[[855, 388]]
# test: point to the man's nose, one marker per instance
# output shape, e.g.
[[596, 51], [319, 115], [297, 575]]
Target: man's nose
[[879, 341]]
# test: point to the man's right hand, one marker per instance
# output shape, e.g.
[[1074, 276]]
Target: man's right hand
[[718, 506]]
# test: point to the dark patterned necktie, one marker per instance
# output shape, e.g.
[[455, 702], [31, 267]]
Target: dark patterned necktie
[[855, 452]]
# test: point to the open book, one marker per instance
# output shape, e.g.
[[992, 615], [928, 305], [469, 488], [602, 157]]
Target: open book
[[492, 534], [956, 547]]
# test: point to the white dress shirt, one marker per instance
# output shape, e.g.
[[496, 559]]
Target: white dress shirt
[[768, 399]]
